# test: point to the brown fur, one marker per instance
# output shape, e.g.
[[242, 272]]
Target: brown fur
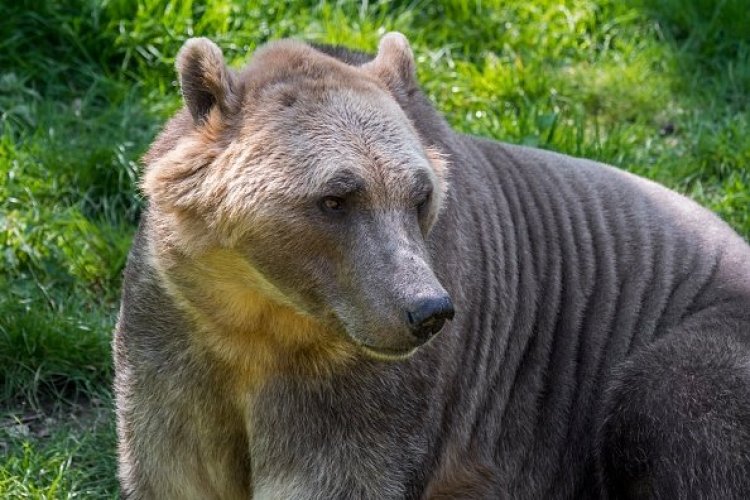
[[205, 80], [217, 186]]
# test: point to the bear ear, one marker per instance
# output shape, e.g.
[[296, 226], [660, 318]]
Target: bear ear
[[205, 79], [394, 65]]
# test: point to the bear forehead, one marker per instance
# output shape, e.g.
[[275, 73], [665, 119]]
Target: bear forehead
[[344, 134], [327, 120], [349, 123], [304, 67]]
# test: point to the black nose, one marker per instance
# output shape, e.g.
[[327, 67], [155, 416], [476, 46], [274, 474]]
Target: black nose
[[428, 315]]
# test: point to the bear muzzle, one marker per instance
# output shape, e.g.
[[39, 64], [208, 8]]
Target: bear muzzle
[[422, 319]]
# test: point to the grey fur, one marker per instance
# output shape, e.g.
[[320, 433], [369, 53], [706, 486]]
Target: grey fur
[[600, 349]]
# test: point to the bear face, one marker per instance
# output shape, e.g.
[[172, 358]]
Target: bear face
[[293, 199]]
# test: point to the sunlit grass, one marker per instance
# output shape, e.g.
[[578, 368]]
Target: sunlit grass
[[659, 87]]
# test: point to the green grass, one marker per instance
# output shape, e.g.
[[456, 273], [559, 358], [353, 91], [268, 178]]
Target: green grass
[[58, 457], [660, 87]]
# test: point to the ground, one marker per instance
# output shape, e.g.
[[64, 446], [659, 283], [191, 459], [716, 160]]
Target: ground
[[660, 87]]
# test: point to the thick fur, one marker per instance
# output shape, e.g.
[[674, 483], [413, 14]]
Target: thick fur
[[601, 343]]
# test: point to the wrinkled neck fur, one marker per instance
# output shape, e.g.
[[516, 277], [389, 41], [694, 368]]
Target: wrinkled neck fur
[[245, 321]]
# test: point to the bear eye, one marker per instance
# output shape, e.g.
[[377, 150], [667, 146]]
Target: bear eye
[[332, 204], [422, 205]]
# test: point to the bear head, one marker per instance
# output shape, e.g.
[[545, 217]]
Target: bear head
[[298, 188]]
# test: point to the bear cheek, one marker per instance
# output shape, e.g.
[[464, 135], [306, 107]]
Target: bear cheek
[[303, 271]]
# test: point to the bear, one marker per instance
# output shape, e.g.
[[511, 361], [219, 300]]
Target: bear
[[332, 294]]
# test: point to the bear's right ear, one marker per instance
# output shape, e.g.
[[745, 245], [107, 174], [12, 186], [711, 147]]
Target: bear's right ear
[[205, 79]]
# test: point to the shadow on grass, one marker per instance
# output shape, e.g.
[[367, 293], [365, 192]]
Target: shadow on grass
[[708, 42], [71, 130]]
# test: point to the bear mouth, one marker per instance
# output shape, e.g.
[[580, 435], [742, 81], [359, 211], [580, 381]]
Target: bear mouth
[[386, 354]]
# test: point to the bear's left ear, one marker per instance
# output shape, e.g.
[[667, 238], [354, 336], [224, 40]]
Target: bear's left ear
[[394, 65], [205, 79]]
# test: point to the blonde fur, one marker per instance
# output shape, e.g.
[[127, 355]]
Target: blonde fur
[[250, 324]]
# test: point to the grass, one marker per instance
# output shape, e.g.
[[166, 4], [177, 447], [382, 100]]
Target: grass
[[660, 87]]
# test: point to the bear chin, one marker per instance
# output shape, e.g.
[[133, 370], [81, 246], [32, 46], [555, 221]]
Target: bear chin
[[385, 354]]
